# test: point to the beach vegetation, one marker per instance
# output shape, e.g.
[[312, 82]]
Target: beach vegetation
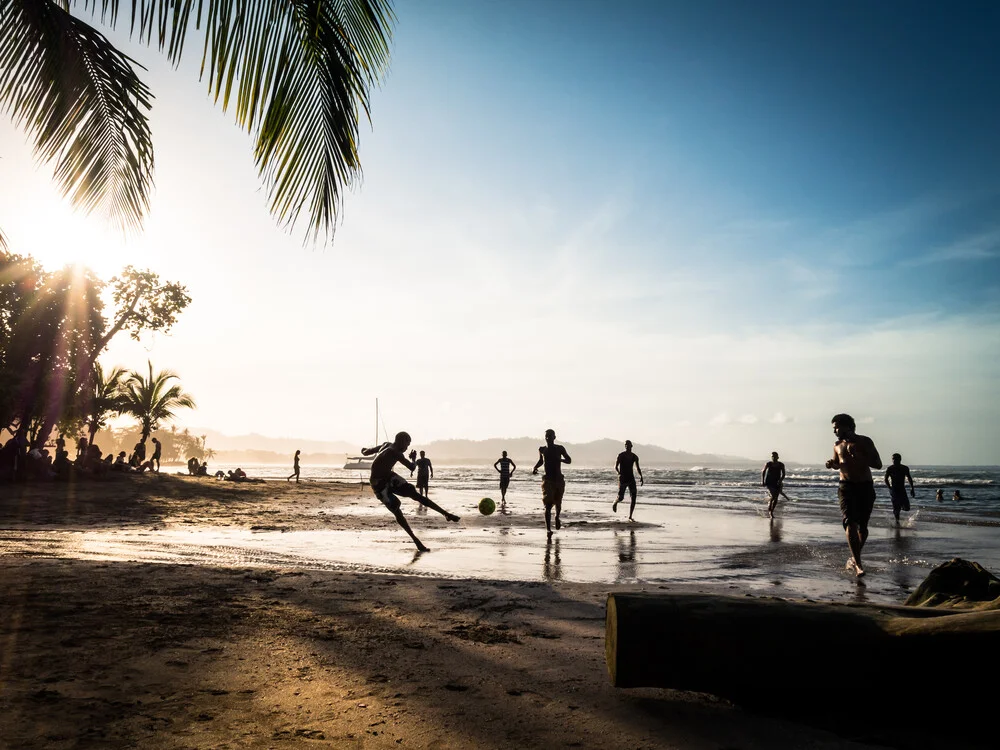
[[106, 398], [55, 325], [297, 74], [152, 398]]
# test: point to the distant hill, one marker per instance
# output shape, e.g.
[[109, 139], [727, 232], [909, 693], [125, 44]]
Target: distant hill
[[259, 449], [603, 452]]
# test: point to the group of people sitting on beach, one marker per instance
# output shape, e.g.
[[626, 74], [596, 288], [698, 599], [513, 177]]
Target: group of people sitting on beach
[[19, 463]]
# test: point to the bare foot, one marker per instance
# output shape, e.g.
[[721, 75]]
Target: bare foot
[[558, 523], [451, 517], [614, 508], [550, 534], [858, 570], [422, 548]]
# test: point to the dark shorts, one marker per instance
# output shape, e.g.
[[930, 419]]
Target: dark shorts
[[900, 500], [856, 502], [626, 483], [386, 492], [504, 482], [553, 489], [774, 489], [422, 481]]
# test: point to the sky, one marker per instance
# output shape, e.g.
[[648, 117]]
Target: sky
[[707, 226]]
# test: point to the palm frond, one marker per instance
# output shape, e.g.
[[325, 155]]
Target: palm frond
[[298, 73], [81, 101]]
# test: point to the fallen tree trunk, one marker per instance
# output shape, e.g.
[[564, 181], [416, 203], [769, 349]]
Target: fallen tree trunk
[[763, 652]]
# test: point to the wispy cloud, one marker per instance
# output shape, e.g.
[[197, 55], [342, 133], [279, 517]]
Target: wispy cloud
[[780, 418], [720, 420], [983, 246], [749, 419]]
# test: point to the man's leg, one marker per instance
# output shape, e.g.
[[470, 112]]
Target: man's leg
[[621, 495], [560, 488], [408, 490], [548, 519], [398, 514], [633, 491], [856, 541]]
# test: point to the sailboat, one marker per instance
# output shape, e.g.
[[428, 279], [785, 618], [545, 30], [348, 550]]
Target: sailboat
[[364, 463]]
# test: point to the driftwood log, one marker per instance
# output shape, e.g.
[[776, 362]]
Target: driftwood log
[[773, 652]]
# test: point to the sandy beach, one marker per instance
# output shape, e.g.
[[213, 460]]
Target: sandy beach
[[115, 654]]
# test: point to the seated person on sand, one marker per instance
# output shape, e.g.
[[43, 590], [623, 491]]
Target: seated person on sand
[[121, 463], [193, 466], [202, 470], [386, 484]]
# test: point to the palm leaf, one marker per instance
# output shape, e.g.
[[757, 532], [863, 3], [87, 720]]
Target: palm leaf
[[80, 100]]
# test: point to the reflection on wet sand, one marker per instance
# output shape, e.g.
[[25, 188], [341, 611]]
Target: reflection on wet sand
[[627, 566], [775, 531], [552, 568]]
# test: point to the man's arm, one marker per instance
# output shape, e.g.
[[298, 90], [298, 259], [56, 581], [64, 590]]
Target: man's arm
[[874, 460], [618, 462], [763, 472], [541, 460], [495, 467], [781, 478], [908, 476], [834, 463], [405, 461], [431, 467], [513, 467], [637, 468], [565, 457], [887, 478]]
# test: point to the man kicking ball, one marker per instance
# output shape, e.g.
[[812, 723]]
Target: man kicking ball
[[386, 484]]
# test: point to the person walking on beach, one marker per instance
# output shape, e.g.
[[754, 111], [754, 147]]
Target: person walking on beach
[[157, 452], [295, 469], [626, 479], [772, 476], [387, 485], [895, 479], [424, 473], [506, 467], [552, 456], [854, 456]]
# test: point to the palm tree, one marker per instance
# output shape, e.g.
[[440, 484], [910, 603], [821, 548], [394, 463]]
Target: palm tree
[[297, 71], [152, 400], [105, 398]]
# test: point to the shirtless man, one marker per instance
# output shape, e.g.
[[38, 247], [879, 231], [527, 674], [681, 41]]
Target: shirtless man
[[425, 472], [386, 484], [772, 476], [506, 467], [626, 479], [553, 482], [895, 479], [854, 456]]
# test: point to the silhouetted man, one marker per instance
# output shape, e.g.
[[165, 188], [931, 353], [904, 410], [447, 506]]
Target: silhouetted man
[[854, 456], [772, 476], [552, 456], [386, 484], [424, 473], [626, 478], [895, 479], [157, 452], [506, 467]]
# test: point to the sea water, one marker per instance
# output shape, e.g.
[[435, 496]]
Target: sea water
[[696, 527]]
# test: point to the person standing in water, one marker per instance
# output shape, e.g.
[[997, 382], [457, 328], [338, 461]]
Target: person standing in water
[[854, 456], [939, 495], [956, 497], [772, 476], [295, 469], [424, 473], [387, 485], [552, 456], [506, 467], [896, 477], [626, 478]]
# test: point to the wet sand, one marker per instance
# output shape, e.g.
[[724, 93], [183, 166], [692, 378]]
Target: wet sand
[[108, 653]]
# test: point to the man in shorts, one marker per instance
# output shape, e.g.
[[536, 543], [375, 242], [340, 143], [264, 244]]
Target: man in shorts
[[506, 467], [387, 485], [854, 456], [424, 474], [895, 479], [772, 476], [552, 456], [626, 478]]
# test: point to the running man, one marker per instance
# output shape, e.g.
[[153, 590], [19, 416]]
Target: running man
[[895, 479], [626, 479], [553, 482], [506, 467], [854, 456], [295, 469], [386, 484], [424, 473], [772, 476]]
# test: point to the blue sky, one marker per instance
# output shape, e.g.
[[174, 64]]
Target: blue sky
[[708, 226]]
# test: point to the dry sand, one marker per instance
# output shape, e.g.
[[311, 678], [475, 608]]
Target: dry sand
[[129, 655]]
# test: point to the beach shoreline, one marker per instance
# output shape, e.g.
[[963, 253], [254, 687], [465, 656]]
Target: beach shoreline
[[109, 654]]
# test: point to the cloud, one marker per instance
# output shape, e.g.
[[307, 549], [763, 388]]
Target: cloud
[[780, 418], [748, 419], [720, 420], [683, 423], [866, 420], [984, 246]]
